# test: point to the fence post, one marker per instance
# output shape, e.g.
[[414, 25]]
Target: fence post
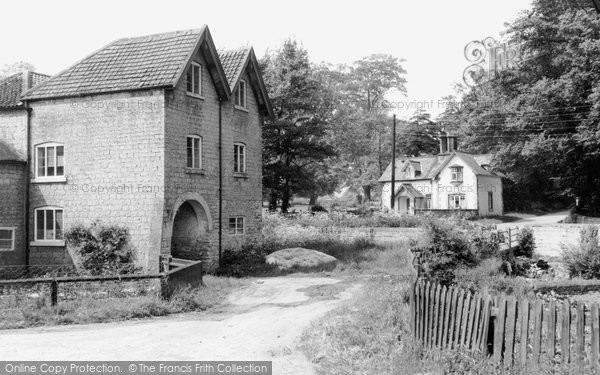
[[53, 293]]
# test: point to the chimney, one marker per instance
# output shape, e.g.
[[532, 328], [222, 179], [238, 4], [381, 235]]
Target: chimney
[[26, 81], [443, 142], [452, 143]]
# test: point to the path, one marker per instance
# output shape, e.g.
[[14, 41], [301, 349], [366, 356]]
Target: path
[[263, 321]]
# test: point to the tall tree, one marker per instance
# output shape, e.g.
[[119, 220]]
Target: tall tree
[[294, 140], [542, 118]]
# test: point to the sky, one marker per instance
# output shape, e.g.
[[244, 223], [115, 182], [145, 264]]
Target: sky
[[429, 36]]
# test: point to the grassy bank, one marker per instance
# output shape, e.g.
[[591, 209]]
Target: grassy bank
[[100, 310]]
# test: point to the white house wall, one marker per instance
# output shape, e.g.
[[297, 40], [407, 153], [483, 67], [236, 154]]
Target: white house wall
[[493, 185], [446, 187]]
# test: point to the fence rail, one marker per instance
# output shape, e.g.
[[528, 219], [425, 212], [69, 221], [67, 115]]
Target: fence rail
[[511, 330], [65, 283]]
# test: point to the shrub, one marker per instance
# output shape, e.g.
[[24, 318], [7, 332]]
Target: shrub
[[583, 259], [526, 243], [449, 250], [102, 249]]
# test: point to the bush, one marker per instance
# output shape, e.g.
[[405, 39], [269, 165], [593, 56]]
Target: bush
[[583, 259], [102, 249], [526, 243], [450, 249]]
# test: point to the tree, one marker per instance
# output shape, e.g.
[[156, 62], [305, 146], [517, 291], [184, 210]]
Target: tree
[[361, 125], [294, 140], [418, 136], [542, 118]]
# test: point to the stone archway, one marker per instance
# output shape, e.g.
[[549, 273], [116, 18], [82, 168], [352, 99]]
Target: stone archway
[[190, 231]]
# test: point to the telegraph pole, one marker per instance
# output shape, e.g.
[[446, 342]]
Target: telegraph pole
[[393, 164]]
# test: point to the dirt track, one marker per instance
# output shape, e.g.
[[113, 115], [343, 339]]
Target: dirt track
[[260, 322]]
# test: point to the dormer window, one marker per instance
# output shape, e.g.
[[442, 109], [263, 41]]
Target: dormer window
[[240, 95], [456, 174], [194, 79], [417, 173]]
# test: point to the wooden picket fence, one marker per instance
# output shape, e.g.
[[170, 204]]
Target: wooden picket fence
[[516, 332]]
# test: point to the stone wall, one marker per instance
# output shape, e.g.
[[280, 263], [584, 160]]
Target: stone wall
[[12, 209], [114, 166]]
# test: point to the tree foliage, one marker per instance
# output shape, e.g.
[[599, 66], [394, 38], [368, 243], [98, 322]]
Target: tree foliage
[[541, 119]]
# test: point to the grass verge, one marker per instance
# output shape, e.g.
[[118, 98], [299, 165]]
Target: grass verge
[[100, 310]]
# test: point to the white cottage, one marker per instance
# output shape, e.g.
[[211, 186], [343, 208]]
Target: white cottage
[[451, 180]]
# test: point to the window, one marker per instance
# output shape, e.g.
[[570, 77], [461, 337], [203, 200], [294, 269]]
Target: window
[[490, 201], [48, 224], [239, 158], [194, 79], [417, 173], [428, 201], [236, 225], [194, 151], [457, 174], [240, 95], [456, 201], [7, 239], [50, 161]]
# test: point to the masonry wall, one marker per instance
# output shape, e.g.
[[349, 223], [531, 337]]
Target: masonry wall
[[12, 210], [13, 130], [188, 115], [242, 193], [114, 167]]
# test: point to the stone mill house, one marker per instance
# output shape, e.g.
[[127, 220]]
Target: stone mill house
[[160, 134]]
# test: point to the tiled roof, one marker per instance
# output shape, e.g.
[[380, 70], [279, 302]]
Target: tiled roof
[[8, 154], [11, 88], [432, 165], [126, 64], [410, 190], [233, 64]]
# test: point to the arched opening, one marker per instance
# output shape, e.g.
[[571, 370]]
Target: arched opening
[[190, 232]]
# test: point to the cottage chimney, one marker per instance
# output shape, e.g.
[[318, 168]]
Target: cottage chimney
[[443, 142], [26, 80], [448, 143]]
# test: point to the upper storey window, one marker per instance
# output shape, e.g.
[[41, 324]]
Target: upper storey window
[[194, 79]]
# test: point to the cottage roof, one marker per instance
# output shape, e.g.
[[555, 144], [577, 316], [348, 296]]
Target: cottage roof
[[146, 62], [7, 153], [432, 165], [13, 87]]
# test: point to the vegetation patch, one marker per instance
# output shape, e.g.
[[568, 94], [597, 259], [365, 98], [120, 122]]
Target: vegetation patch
[[92, 309]]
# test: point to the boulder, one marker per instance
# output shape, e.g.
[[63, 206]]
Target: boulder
[[298, 257]]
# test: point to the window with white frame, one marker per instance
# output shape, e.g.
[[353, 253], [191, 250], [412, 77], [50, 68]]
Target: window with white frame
[[49, 161], [194, 79], [239, 158], [194, 151], [456, 174], [240, 94], [428, 201], [237, 225], [48, 224], [456, 201], [7, 239]]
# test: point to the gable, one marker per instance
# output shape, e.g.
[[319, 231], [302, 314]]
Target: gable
[[140, 63], [235, 64]]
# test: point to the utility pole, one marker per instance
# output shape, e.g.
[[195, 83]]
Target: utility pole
[[393, 164]]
